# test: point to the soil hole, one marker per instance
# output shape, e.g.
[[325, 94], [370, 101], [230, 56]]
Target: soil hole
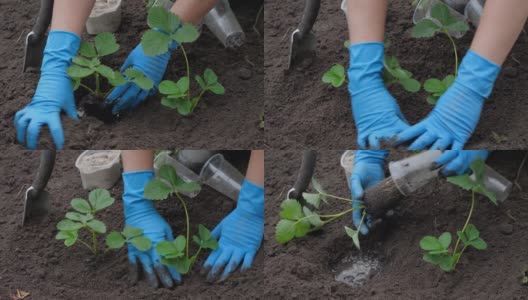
[[356, 269]]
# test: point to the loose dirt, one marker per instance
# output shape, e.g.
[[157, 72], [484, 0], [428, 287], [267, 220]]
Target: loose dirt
[[33, 261], [306, 268], [303, 111], [233, 116]]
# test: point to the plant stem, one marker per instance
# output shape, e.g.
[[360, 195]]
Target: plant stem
[[341, 213], [97, 87], [338, 215], [198, 99], [187, 224], [87, 88], [454, 50], [94, 242], [340, 198], [465, 225], [87, 246], [188, 71]]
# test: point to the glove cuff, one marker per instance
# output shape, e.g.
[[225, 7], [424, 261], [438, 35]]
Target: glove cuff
[[477, 73], [251, 198], [134, 183], [61, 47], [366, 66], [372, 156]]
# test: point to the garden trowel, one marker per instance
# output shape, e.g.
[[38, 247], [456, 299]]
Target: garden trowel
[[303, 41], [37, 200], [304, 177], [36, 39]]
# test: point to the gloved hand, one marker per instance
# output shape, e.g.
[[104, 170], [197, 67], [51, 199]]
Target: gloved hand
[[130, 95], [368, 170], [140, 213], [457, 162], [239, 235], [54, 92], [376, 113], [457, 112]]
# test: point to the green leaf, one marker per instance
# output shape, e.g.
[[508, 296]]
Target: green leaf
[[106, 72], [313, 199], [68, 225], [441, 13], [130, 232], [183, 84], [118, 79], [74, 216], [200, 81], [87, 49], [432, 99], [94, 62], [429, 243], [76, 71], [210, 76], [168, 87], [446, 263], [186, 34], [488, 194], [158, 17], [472, 232], [154, 43], [319, 188], [76, 83], [184, 106], [81, 61], [479, 244], [434, 85], [105, 43], [458, 26], [302, 227], [354, 234], [69, 237], [141, 243], [115, 240], [291, 210], [448, 81], [435, 252], [432, 258], [391, 62], [335, 76], [463, 237], [164, 248], [100, 199], [137, 77], [183, 265], [179, 243], [204, 233], [168, 173], [211, 243], [97, 226], [424, 29], [157, 190], [445, 239], [410, 84], [312, 217], [169, 102], [479, 168], [216, 88], [81, 205], [462, 181], [284, 231]]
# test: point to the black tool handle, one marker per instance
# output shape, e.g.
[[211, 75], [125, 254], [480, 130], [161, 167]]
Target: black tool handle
[[47, 161], [43, 21], [311, 10], [305, 174]]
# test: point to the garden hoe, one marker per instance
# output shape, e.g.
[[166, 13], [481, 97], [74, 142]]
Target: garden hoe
[[303, 41], [410, 174], [37, 200], [36, 39]]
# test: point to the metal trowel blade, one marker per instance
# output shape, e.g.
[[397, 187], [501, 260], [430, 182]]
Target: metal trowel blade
[[33, 52], [301, 47], [36, 206]]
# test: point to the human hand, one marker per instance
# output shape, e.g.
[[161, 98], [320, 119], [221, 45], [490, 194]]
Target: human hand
[[240, 235], [368, 171], [457, 162]]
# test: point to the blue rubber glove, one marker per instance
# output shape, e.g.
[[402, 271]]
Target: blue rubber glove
[[457, 112], [140, 213], [239, 235], [130, 95], [376, 113], [457, 162], [54, 92], [368, 170]]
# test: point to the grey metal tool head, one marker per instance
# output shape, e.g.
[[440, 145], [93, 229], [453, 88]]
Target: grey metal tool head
[[303, 42]]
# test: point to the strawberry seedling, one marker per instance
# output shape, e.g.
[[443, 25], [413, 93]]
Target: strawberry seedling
[[439, 251], [176, 253], [443, 21], [297, 219], [167, 29]]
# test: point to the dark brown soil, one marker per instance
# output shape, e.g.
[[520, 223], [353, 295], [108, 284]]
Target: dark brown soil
[[302, 110], [302, 269], [33, 261], [233, 116]]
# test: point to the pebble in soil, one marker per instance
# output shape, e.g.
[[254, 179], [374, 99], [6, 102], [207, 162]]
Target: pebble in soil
[[355, 270]]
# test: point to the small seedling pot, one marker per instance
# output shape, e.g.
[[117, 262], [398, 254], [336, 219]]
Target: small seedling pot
[[224, 25], [163, 158], [194, 159], [105, 17], [423, 11], [347, 163], [222, 176], [99, 168]]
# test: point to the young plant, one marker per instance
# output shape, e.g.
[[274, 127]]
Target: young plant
[[439, 251], [88, 62], [443, 21], [297, 220], [166, 29], [392, 73], [168, 183], [84, 219]]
